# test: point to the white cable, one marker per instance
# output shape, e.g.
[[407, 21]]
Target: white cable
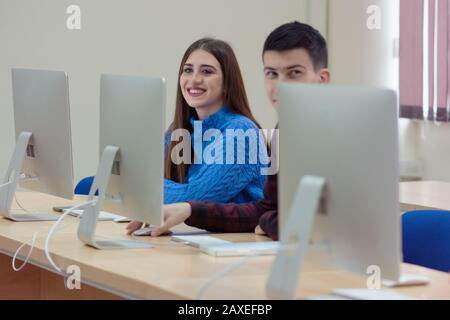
[[25, 261], [20, 206], [231, 268], [48, 238], [222, 273], [55, 225]]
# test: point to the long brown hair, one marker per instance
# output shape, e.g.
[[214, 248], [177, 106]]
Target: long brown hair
[[234, 97]]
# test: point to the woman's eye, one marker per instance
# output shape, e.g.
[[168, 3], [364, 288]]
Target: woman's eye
[[187, 70], [206, 71]]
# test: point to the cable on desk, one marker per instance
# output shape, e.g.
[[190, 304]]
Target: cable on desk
[[20, 206], [48, 238], [25, 261], [33, 241], [233, 267], [53, 229]]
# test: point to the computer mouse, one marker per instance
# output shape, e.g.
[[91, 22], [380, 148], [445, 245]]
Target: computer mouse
[[146, 231]]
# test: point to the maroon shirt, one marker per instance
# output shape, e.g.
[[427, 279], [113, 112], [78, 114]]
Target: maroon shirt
[[233, 217]]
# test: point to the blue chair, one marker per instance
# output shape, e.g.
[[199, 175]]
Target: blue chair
[[426, 238], [84, 186]]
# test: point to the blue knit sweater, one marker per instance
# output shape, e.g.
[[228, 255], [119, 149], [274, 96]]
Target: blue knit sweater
[[232, 181]]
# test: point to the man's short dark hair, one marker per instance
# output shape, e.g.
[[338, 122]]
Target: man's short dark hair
[[297, 35]]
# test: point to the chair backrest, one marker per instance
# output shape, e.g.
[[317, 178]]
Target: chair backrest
[[84, 186], [426, 238]]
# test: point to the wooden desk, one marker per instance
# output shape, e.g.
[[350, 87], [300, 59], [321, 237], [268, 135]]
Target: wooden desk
[[168, 271], [424, 195]]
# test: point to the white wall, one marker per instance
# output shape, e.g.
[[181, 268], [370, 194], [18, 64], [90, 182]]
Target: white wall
[[358, 55], [150, 36], [433, 148], [145, 37], [361, 56]]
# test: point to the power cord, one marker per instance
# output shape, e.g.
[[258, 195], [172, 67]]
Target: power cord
[[233, 267], [20, 206], [25, 261], [47, 241], [53, 229], [48, 238]]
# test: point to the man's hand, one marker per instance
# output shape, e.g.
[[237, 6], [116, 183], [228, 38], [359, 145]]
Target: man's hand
[[133, 226], [259, 231], [174, 214]]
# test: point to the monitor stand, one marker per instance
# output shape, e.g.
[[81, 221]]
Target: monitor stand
[[9, 185], [283, 278], [88, 220]]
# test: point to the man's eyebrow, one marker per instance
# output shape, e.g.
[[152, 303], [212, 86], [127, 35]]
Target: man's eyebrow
[[287, 68], [296, 66]]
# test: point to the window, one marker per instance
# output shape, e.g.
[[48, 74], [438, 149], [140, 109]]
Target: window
[[424, 59]]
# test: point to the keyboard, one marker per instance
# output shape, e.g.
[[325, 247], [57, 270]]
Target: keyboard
[[242, 249], [33, 217], [221, 248], [103, 216], [199, 241]]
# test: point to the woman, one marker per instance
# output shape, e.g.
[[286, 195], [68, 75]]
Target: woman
[[211, 102]]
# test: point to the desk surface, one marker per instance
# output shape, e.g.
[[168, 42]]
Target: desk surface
[[423, 195], [172, 270]]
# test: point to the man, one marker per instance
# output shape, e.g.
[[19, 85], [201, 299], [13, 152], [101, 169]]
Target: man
[[293, 52]]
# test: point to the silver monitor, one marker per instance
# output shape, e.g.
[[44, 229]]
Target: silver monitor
[[130, 174], [340, 145], [42, 159]]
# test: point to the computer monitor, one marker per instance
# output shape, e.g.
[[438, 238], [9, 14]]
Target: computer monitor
[[42, 159], [130, 174], [342, 143]]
